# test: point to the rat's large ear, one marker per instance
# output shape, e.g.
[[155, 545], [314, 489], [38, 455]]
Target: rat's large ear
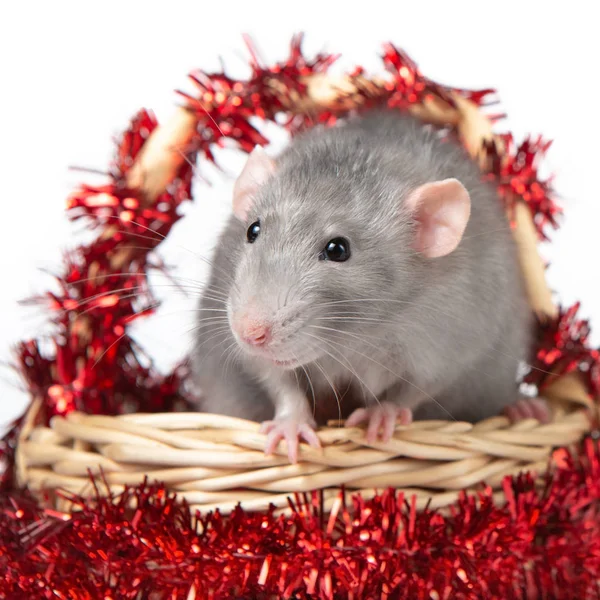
[[258, 168], [441, 211]]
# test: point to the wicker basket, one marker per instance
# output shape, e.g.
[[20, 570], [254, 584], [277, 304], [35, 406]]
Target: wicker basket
[[214, 461]]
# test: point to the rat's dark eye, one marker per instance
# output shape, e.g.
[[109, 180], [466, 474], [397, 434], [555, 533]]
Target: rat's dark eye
[[253, 232], [337, 250]]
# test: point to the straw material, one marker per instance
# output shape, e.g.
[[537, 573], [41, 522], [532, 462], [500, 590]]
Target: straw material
[[214, 461]]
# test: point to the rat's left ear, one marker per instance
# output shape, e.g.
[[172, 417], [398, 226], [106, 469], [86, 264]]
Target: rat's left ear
[[441, 211], [258, 168]]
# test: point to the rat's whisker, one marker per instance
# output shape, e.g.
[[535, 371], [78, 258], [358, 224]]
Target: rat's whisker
[[347, 366], [356, 300], [228, 348], [207, 328], [157, 271], [121, 293], [365, 337], [215, 294], [312, 389], [186, 158], [333, 389], [415, 386], [228, 353], [343, 319], [109, 348], [298, 283], [159, 304], [217, 333], [217, 289], [212, 318], [162, 237], [219, 301], [433, 309], [122, 298], [368, 321], [296, 372], [466, 237], [217, 330]]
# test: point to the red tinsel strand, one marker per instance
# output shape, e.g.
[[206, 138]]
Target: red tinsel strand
[[131, 142], [409, 85], [563, 347], [479, 97], [514, 169], [541, 543], [100, 300], [8, 448], [225, 107]]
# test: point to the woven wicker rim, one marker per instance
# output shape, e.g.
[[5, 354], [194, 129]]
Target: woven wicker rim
[[215, 462]]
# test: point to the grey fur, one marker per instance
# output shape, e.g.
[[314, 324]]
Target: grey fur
[[451, 328]]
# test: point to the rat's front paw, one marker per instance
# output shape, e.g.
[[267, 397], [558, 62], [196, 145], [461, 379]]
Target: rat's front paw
[[290, 429], [381, 419], [529, 408]]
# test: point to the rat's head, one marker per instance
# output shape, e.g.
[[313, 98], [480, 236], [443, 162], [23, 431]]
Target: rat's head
[[326, 254]]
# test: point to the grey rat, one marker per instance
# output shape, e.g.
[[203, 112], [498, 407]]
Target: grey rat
[[368, 267]]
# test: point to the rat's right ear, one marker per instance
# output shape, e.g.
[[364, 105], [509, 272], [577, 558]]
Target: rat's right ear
[[258, 168], [441, 211]]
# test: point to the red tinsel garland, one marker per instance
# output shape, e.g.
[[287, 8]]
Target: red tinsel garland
[[514, 170], [106, 373], [542, 543], [563, 347]]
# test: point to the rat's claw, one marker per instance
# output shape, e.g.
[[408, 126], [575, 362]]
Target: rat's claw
[[291, 431], [529, 408], [382, 420], [309, 435]]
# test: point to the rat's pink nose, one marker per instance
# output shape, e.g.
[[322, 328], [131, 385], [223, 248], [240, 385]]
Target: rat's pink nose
[[254, 332]]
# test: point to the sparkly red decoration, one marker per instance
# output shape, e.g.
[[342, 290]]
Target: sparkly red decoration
[[409, 85], [515, 170], [224, 106], [543, 543], [95, 366], [563, 347], [131, 142]]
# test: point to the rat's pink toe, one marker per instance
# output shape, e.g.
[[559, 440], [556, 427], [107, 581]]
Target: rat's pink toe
[[292, 448], [290, 430], [309, 435], [375, 423], [357, 417], [266, 427], [274, 436], [405, 416], [541, 410], [528, 408], [381, 420], [511, 413], [387, 427]]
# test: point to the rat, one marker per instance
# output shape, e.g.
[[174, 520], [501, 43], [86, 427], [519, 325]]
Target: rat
[[370, 268]]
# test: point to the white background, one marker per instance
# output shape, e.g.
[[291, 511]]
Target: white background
[[74, 72]]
